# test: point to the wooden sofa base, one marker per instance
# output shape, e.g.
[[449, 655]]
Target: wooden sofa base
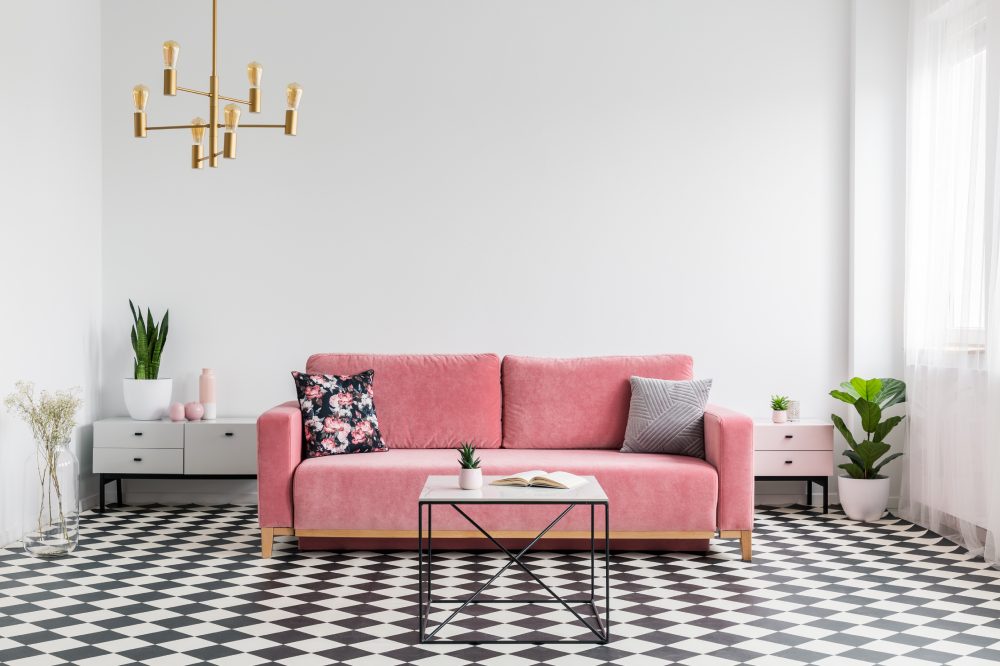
[[267, 535]]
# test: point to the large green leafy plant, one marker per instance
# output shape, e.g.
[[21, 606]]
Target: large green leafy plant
[[148, 339], [870, 398]]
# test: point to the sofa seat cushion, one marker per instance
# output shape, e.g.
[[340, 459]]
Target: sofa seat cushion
[[648, 492], [428, 400], [576, 403]]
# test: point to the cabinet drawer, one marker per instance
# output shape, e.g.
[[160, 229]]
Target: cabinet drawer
[[138, 461], [793, 463], [791, 437], [220, 448], [138, 435]]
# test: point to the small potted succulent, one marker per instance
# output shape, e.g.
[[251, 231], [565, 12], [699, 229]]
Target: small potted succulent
[[779, 408], [470, 477], [864, 492], [147, 397]]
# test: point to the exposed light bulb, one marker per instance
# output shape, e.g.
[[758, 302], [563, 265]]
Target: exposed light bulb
[[231, 114], [171, 50], [294, 95], [140, 95], [198, 131], [254, 72]]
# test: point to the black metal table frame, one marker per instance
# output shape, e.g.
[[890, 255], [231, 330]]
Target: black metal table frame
[[822, 481], [105, 478], [602, 631]]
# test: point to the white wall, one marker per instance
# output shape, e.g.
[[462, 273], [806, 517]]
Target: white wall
[[878, 199], [50, 206], [550, 178]]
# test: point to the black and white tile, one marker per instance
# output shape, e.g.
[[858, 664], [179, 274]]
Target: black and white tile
[[186, 585]]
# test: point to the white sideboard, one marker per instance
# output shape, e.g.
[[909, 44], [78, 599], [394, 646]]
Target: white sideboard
[[127, 449]]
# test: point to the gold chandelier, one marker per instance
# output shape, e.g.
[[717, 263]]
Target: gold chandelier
[[230, 114]]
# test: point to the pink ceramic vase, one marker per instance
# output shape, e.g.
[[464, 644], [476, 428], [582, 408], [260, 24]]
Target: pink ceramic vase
[[194, 411]]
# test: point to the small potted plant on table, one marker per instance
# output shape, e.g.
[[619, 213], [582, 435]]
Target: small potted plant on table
[[864, 493], [470, 477], [147, 397], [779, 408]]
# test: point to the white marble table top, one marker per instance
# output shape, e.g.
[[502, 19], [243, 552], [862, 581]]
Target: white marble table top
[[444, 489]]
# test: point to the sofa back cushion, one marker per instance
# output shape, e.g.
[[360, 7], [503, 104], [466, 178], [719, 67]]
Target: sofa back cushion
[[576, 403], [428, 401]]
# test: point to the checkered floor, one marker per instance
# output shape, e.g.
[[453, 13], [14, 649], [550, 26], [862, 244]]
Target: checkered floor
[[185, 585]]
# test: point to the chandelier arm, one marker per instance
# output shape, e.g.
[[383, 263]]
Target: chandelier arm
[[282, 126], [207, 157], [169, 127], [233, 99], [194, 92], [208, 94]]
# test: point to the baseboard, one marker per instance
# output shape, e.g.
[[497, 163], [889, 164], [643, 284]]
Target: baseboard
[[788, 499]]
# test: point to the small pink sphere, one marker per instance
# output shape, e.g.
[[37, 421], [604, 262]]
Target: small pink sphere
[[176, 412], [194, 411]]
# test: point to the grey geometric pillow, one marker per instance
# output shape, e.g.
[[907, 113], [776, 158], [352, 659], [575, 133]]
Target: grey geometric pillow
[[667, 417]]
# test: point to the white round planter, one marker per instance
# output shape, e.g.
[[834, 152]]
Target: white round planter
[[147, 399], [779, 416], [863, 499], [470, 479]]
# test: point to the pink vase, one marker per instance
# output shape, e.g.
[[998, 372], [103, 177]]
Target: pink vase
[[206, 391], [194, 411], [176, 412]]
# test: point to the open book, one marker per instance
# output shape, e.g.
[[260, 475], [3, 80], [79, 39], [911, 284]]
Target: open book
[[542, 479]]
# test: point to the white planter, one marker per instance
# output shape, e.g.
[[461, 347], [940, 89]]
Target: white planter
[[779, 416], [470, 479], [147, 399], [863, 499]]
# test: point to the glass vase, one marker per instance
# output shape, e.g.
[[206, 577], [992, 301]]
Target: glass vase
[[52, 501]]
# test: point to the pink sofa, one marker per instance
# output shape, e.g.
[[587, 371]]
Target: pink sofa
[[526, 413]]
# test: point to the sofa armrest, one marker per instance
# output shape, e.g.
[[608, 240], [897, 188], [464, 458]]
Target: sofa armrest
[[729, 448], [279, 452]]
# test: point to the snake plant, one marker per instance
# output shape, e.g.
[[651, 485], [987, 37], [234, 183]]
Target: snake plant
[[148, 339], [468, 459]]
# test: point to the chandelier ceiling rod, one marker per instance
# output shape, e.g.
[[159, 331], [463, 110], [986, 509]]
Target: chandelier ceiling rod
[[231, 114]]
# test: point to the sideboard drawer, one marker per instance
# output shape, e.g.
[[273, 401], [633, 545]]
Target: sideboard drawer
[[138, 435], [793, 463], [220, 448], [138, 461], [791, 437]]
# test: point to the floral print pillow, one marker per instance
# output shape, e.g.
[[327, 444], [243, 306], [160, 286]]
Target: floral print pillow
[[338, 413]]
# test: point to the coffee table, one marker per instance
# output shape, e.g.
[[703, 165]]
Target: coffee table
[[444, 490]]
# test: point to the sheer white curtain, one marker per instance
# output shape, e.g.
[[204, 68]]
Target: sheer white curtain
[[951, 478]]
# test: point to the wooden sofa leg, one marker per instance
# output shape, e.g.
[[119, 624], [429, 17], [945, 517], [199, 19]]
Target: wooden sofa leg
[[266, 541], [745, 544]]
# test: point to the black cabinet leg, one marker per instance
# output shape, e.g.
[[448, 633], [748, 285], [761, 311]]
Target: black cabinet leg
[[100, 481], [118, 490], [826, 495], [809, 492]]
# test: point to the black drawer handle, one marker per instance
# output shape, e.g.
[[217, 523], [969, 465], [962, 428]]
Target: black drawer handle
[[137, 434], [229, 434], [788, 462], [137, 459], [789, 436]]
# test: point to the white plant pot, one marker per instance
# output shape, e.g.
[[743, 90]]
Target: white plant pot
[[863, 499], [470, 479], [779, 415], [147, 399]]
